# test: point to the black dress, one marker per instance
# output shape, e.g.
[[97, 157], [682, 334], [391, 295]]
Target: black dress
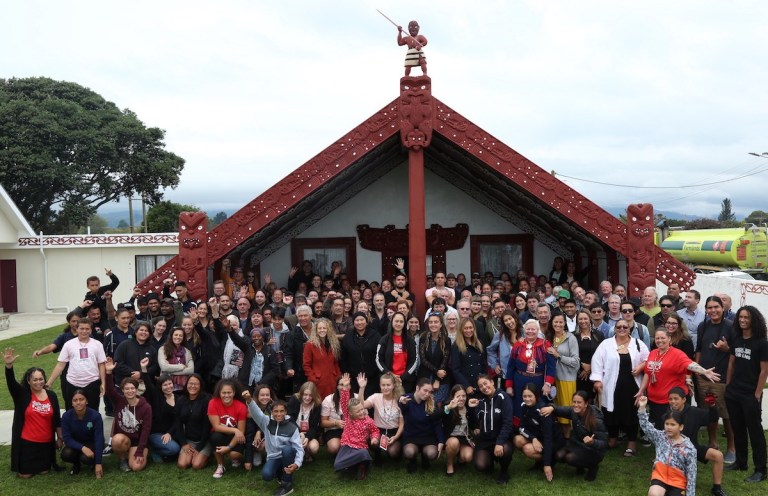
[[624, 411], [587, 347]]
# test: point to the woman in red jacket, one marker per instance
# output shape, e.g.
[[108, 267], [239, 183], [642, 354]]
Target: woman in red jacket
[[321, 357]]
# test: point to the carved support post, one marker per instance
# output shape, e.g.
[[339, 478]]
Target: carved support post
[[416, 110], [641, 254], [193, 253]]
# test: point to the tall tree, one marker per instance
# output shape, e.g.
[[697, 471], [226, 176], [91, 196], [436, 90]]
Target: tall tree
[[217, 219], [757, 217], [164, 216], [726, 214], [65, 151]]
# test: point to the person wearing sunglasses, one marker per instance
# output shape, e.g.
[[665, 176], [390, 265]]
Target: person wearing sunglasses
[[636, 329]]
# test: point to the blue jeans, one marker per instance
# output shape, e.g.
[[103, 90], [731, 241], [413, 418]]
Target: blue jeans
[[171, 448], [273, 467]]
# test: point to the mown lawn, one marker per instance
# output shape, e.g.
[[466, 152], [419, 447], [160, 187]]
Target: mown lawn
[[618, 475]]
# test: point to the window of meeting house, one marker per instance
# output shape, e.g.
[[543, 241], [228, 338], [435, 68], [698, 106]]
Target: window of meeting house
[[499, 253], [147, 264], [323, 252]]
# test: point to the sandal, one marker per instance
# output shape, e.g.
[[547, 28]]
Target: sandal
[[629, 452]]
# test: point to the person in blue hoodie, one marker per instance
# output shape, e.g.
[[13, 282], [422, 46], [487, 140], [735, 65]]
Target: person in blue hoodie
[[283, 441]]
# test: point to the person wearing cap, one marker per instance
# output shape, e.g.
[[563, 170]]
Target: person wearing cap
[[153, 308], [562, 296]]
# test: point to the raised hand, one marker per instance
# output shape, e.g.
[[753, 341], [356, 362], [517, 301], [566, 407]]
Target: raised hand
[[361, 380], [247, 397], [110, 365], [9, 357]]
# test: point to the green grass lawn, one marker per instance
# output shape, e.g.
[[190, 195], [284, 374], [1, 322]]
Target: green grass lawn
[[618, 475]]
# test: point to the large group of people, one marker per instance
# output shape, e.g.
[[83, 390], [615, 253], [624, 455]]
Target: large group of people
[[267, 376]]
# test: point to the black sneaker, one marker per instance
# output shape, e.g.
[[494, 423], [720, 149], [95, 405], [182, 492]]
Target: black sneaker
[[75, 470], [503, 478], [756, 477], [718, 492], [733, 466], [424, 463], [285, 488], [591, 473], [107, 450], [411, 466]]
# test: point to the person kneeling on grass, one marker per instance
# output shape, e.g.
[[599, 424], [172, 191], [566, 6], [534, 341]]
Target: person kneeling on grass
[[358, 426], [674, 469], [133, 419], [283, 441], [589, 438]]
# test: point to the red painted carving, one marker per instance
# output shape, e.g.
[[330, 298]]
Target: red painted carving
[[154, 282], [669, 270], [416, 112], [393, 242], [193, 252], [641, 262]]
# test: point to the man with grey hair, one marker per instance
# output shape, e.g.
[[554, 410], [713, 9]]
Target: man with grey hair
[[728, 312], [543, 316], [606, 290], [294, 345]]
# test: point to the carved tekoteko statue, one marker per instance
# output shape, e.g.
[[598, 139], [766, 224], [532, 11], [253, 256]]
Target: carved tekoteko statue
[[416, 42]]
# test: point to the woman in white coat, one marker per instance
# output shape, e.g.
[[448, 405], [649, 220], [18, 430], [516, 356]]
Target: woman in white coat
[[617, 370]]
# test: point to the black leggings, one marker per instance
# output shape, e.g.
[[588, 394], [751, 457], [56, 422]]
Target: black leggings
[[578, 456], [76, 457], [484, 458]]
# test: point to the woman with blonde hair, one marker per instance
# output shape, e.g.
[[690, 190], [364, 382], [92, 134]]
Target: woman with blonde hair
[[304, 409], [468, 358], [321, 357]]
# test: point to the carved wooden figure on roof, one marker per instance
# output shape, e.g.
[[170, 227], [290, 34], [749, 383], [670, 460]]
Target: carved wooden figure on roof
[[415, 55]]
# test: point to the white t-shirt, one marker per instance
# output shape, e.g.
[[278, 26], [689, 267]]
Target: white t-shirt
[[328, 409], [84, 359], [386, 414]]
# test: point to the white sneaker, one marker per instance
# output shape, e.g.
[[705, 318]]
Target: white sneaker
[[235, 463], [219, 473], [257, 459]]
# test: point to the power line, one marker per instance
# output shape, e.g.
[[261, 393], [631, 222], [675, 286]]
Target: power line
[[751, 172]]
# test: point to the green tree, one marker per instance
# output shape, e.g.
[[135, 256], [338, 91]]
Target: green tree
[[726, 213], [757, 217], [217, 219], [97, 223], [164, 216], [65, 151], [123, 224]]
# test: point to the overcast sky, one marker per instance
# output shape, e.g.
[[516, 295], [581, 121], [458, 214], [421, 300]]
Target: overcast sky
[[649, 93]]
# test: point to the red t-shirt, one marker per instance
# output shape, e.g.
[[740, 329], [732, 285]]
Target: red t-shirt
[[230, 415], [670, 371], [38, 421], [399, 357]]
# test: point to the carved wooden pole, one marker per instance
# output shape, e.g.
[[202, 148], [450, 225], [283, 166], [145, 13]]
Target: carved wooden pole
[[193, 253], [416, 110], [641, 252]]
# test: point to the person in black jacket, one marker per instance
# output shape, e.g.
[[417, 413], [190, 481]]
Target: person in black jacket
[[434, 354], [493, 435], [304, 410], [396, 353], [192, 425], [537, 436], [358, 352], [468, 359], [249, 375], [589, 437], [294, 345], [130, 353]]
